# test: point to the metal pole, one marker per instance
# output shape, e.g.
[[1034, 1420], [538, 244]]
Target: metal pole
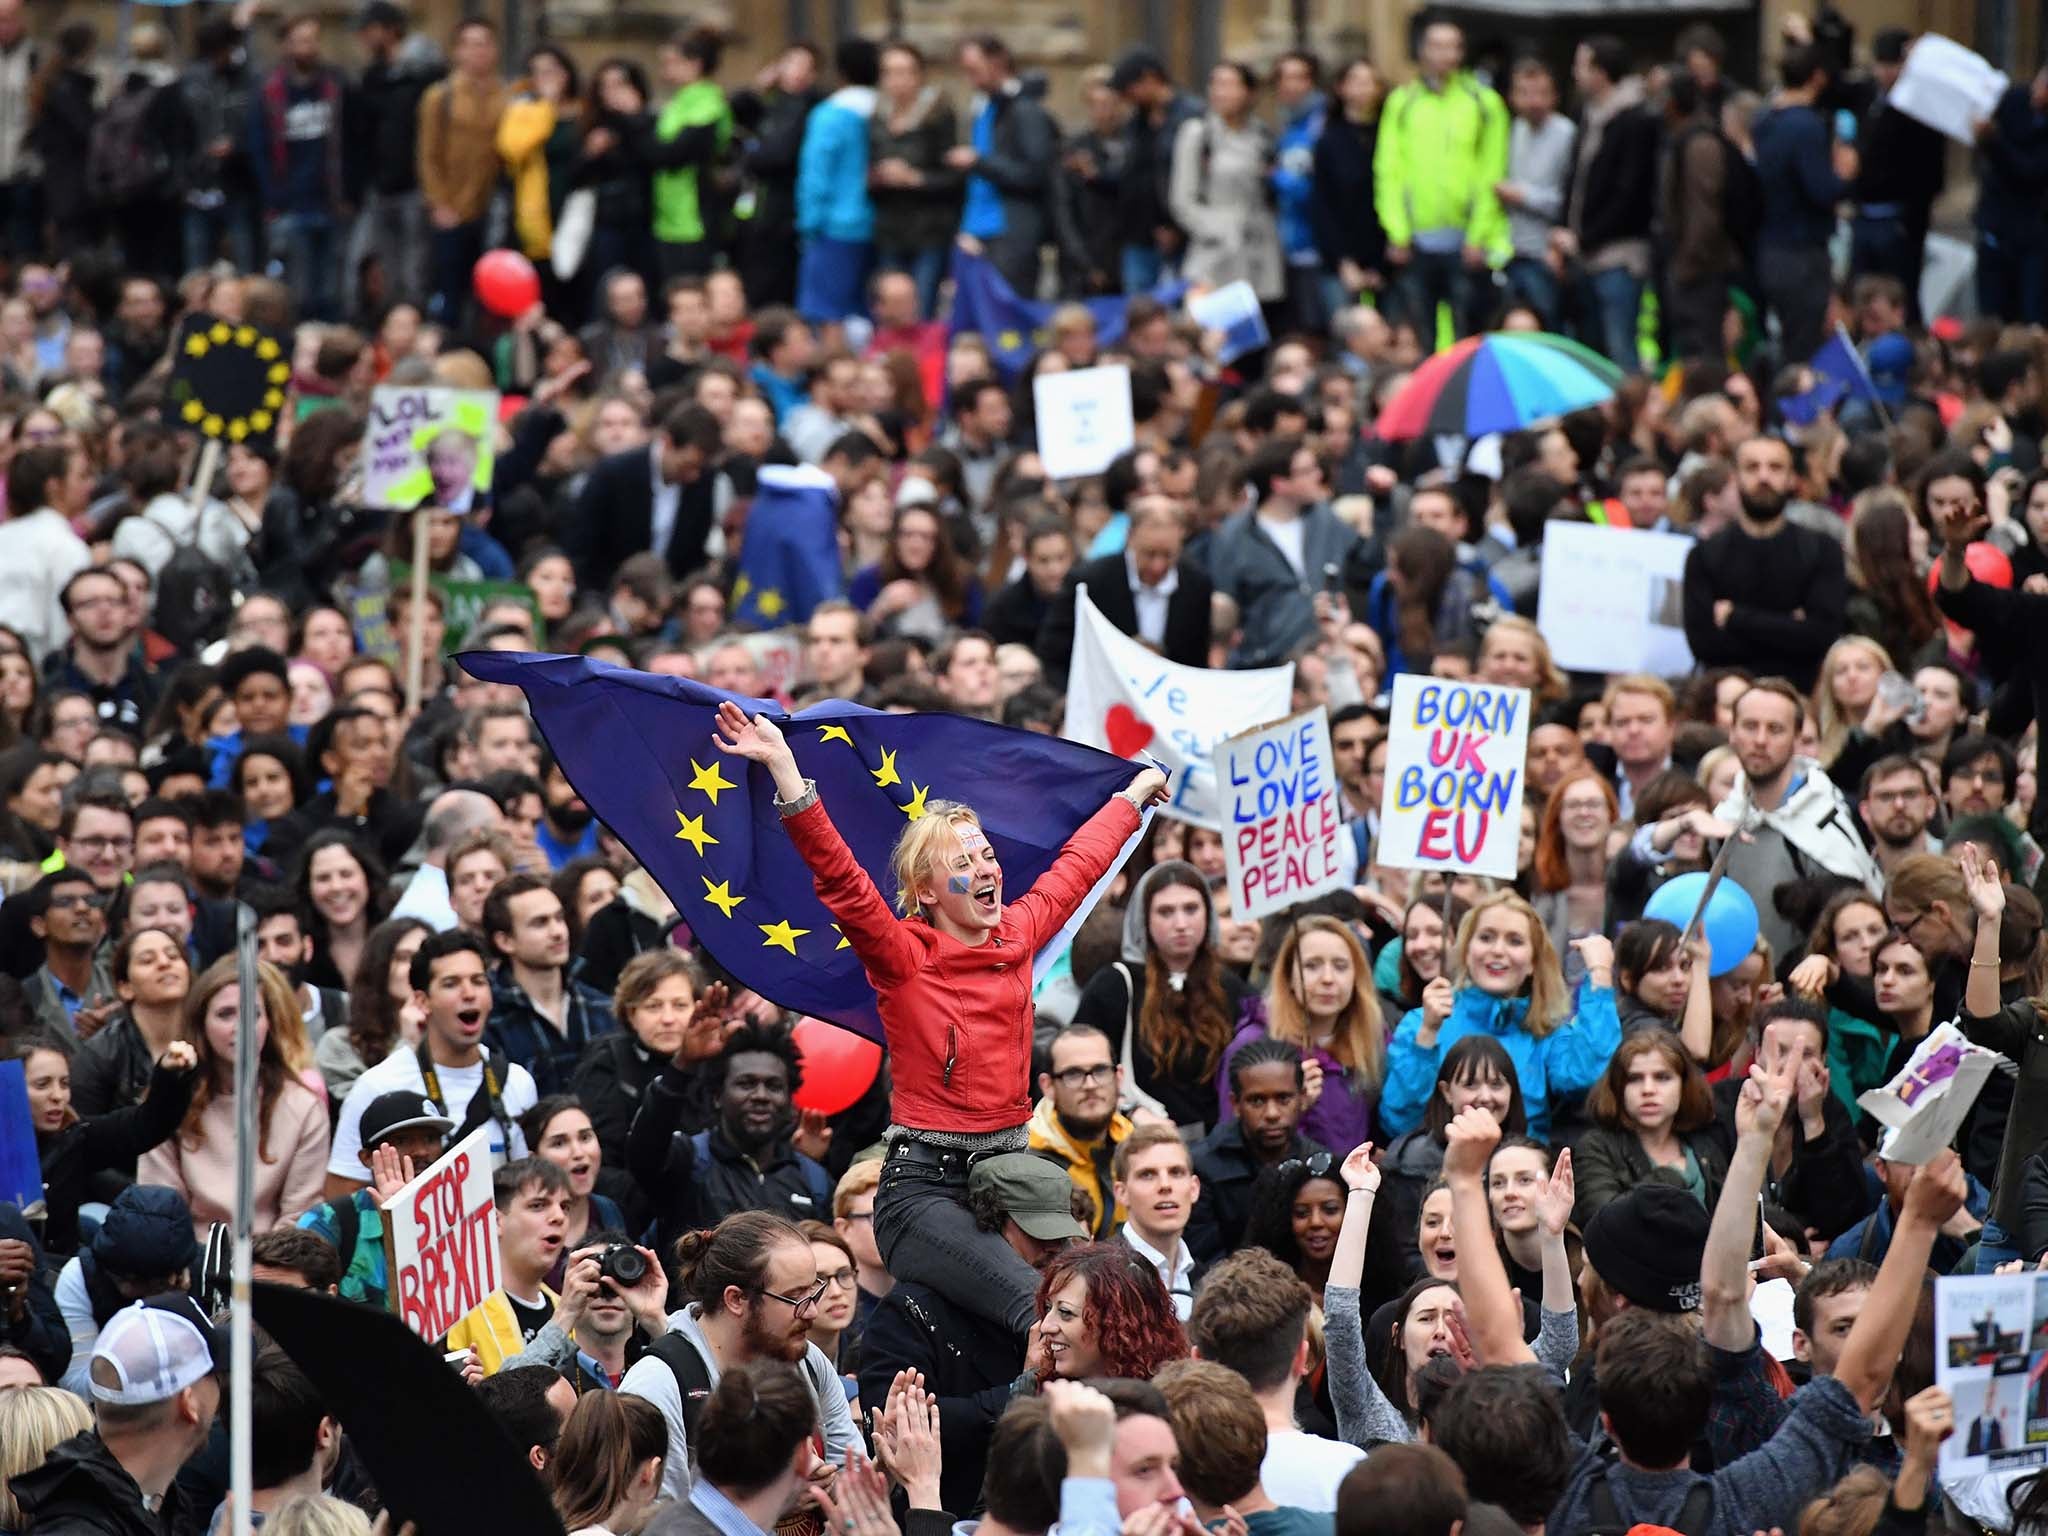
[[241, 1350]]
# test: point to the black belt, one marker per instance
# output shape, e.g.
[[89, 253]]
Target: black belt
[[952, 1162]]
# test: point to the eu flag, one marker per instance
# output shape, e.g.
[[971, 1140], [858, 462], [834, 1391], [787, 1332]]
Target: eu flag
[[639, 748], [1014, 327], [1839, 374], [789, 560]]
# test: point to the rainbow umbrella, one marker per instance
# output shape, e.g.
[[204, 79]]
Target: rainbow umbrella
[[1500, 382]]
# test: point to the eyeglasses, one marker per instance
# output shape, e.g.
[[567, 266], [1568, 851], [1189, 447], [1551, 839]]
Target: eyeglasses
[[1897, 796], [1991, 775], [838, 1280], [76, 899], [1318, 1166], [105, 844], [809, 1298], [1074, 1077]]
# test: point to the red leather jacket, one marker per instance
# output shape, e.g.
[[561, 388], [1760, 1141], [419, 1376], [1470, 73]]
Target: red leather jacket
[[957, 1017]]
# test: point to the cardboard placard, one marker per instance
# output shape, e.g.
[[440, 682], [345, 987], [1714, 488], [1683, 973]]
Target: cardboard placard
[[1455, 755], [429, 447], [1283, 819], [443, 1234]]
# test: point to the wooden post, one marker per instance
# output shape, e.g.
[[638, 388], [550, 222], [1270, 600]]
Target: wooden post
[[202, 475], [416, 617]]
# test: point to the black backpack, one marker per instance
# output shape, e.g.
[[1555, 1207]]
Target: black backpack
[[1695, 1515], [194, 597], [125, 158]]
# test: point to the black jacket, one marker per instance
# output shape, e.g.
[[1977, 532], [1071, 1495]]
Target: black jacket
[[1016, 613], [72, 1155], [1084, 213], [969, 1364], [610, 1082], [924, 216], [1824, 1187], [38, 1328], [1224, 1165], [1188, 1093], [82, 1491], [382, 122], [697, 1181], [1619, 198], [1109, 588], [1902, 161], [614, 518], [1341, 209], [613, 936], [1022, 159]]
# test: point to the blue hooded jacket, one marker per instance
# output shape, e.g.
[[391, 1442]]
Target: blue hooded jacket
[[1566, 1061], [832, 168], [1293, 177]]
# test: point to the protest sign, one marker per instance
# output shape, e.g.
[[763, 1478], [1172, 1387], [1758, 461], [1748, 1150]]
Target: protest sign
[[1453, 799], [1233, 311], [443, 1232], [1924, 1106], [427, 446], [1283, 821], [1084, 419], [21, 1170], [1947, 87], [1129, 700], [227, 382], [1991, 1353], [462, 602], [1613, 599]]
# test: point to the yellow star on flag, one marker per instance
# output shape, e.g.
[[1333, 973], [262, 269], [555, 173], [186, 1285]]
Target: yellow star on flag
[[833, 733], [915, 809], [219, 334], [245, 335], [711, 780], [693, 832], [196, 345], [843, 941], [781, 935], [193, 411], [770, 603], [886, 774], [266, 349], [741, 588], [1010, 340], [720, 896]]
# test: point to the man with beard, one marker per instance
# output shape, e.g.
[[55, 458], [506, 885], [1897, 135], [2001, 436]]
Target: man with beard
[[753, 1291], [968, 1363], [1978, 776], [1764, 594], [1896, 806], [746, 1161], [1796, 827], [567, 830], [1077, 1122], [540, 1018], [102, 659]]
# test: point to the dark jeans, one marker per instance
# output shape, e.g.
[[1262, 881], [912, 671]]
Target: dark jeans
[[1530, 281], [306, 252], [1611, 300], [2012, 276], [1796, 287], [456, 252], [234, 222], [928, 1236], [1431, 278], [1696, 312], [21, 219]]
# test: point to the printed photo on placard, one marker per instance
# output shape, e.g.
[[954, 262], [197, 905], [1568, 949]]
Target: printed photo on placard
[[1992, 1328]]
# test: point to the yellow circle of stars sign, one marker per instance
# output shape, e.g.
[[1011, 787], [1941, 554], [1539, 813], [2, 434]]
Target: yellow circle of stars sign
[[228, 382]]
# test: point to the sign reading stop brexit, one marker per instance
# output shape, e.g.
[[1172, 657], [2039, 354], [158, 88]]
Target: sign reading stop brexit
[[1453, 797], [1283, 821], [444, 1239]]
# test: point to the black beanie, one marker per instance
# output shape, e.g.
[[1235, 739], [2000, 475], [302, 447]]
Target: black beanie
[[1647, 1246]]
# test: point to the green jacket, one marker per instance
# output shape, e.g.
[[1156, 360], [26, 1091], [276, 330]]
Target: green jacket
[[1440, 155], [692, 132]]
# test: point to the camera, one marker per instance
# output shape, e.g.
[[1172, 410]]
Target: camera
[[622, 1264]]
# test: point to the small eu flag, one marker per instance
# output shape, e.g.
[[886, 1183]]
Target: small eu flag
[[789, 562], [640, 751], [1015, 328]]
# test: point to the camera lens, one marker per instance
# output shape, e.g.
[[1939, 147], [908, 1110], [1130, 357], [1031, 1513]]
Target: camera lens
[[623, 1264]]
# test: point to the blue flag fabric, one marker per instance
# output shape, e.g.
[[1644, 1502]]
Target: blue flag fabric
[[1839, 375], [640, 751], [1015, 328], [21, 1170], [789, 561]]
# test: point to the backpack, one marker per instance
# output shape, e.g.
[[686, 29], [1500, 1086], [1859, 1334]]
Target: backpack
[[1695, 1515], [125, 158], [194, 597]]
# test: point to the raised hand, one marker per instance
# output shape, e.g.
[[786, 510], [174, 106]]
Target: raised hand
[[1597, 950], [1812, 976], [1469, 1141], [1438, 998], [1311, 1082], [1980, 875], [1761, 1106], [1559, 1194], [1360, 1171], [758, 740], [178, 1056], [1938, 1190], [1148, 788], [813, 1135]]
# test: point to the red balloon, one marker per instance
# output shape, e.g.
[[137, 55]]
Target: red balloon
[[506, 283], [839, 1066]]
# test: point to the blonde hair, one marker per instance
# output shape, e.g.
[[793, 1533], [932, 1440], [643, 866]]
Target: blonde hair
[[1358, 1037], [1549, 1003], [919, 846], [317, 1514], [863, 1178], [1833, 724], [34, 1421], [1551, 684], [1710, 763]]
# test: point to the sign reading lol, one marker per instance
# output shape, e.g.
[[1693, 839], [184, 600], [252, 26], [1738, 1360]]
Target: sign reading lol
[[1283, 824], [443, 1231], [1453, 798]]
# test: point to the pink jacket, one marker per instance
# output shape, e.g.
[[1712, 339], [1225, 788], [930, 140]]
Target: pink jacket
[[291, 1167]]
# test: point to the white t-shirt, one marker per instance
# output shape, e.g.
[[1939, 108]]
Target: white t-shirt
[[1303, 1470], [401, 1070], [1289, 536]]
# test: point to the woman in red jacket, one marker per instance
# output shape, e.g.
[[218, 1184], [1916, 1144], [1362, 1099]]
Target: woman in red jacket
[[952, 980]]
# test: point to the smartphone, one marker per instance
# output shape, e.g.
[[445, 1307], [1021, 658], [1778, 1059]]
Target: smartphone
[[1845, 125]]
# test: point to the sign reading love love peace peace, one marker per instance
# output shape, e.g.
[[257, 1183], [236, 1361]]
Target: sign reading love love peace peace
[[1453, 797], [1129, 700], [1283, 821]]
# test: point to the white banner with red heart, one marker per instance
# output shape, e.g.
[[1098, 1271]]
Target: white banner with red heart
[[1128, 699]]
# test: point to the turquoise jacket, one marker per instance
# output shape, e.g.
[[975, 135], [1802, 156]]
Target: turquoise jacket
[[1566, 1061], [832, 168]]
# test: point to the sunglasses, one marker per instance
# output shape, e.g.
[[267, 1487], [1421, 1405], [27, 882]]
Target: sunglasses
[[1318, 1166]]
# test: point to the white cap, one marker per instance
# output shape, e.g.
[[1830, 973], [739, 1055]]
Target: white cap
[[152, 1351]]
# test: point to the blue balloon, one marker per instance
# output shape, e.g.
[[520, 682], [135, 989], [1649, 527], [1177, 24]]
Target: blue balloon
[[1729, 925]]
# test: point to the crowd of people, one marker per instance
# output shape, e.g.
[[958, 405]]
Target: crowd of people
[[1428, 1206]]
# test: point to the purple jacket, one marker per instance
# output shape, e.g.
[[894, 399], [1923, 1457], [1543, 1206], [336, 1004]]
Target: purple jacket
[[1339, 1120]]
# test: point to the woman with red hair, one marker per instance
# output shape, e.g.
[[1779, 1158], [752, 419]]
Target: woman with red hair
[[1571, 862], [1104, 1311]]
